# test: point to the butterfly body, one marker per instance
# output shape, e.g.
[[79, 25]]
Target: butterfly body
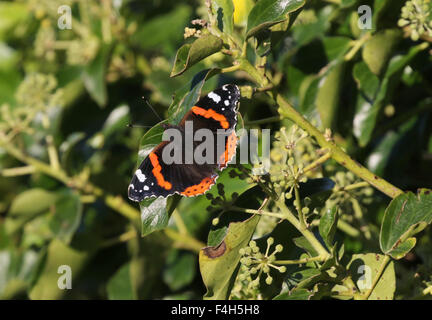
[[158, 176]]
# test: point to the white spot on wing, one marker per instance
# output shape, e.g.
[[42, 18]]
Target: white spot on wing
[[146, 188], [216, 98], [226, 103], [141, 177]]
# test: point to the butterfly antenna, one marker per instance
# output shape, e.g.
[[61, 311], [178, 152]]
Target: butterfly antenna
[[151, 107]]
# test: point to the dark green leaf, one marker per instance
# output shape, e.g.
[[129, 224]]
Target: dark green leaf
[[94, 76], [327, 226], [406, 215], [119, 287], [189, 54], [67, 216], [299, 294], [270, 12], [180, 270], [304, 244]]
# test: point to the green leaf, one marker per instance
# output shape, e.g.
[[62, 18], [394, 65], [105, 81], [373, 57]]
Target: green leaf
[[307, 32], [302, 278], [378, 50], [58, 254], [67, 215], [219, 264], [363, 269], [374, 94], [180, 269], [329, 95], [336, 47], [12, 14], [94, 76], [32, 202], [327, 226], [299, 294], [304, 244], [406, 215], [17, 270], [189, 54], [224, 9], [162, 32], [119, 286], [267, 13]]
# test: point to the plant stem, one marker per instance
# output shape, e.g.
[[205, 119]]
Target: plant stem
[[114, 202], [259, 211], [317, 162], [298, 206], [300, 261], [287, 111], [336, 153], [305, 232], [263, 121], [184, 241], [20, 171]]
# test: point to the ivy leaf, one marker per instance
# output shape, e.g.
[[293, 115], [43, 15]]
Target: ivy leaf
[[374, 93], [327, 226], [67, 216], [267, 13], [406, 215], [364, 267], [180, 269], [58, 254], [304, 244], [119, 287], [191, 53], [94, 76], [224, 9], [298, 294], [219, 264]]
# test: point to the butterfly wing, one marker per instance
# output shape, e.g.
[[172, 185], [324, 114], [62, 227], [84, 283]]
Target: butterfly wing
[[154, 177]]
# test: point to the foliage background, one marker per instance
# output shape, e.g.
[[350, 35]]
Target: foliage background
[[67, 96]]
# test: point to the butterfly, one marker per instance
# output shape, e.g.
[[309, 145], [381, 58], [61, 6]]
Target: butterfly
[[158, 176]]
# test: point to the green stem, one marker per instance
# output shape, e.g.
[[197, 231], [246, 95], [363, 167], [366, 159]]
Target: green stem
[[263, 121], [287, 111], [299, 206], [317, 162], [310, 237], [259, 212], [300, 261], [114, 202]]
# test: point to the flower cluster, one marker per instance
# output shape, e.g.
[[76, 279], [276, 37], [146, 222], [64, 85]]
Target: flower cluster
[[291, 152], [258, 263], [416, 15]]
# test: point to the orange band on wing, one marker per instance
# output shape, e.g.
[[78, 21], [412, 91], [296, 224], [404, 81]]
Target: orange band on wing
[[210, 113], [199, 188], [157, 172], [230, 149]]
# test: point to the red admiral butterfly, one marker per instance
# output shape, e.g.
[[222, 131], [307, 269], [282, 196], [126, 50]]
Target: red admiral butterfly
[[155, 178]]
